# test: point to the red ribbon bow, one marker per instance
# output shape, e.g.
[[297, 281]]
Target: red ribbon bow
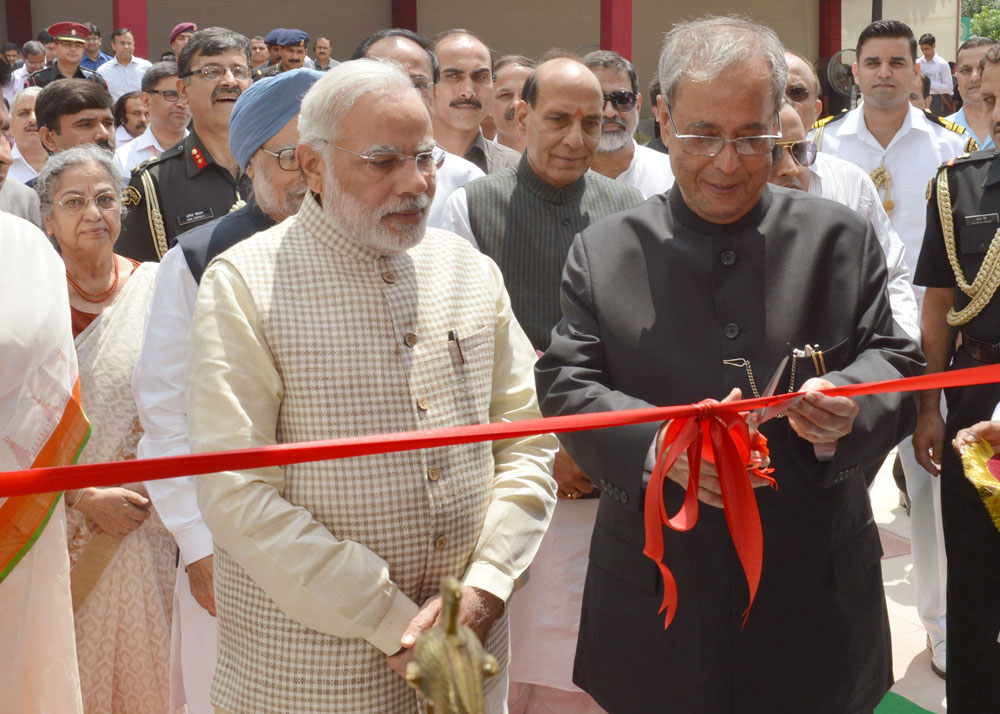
[[729, 444]]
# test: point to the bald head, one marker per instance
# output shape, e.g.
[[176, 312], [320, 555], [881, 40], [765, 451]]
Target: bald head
[[802, 89], [416, 62], [560, 114], [559, 73]]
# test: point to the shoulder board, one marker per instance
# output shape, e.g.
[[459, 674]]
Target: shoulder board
[[968, 158], [946, 123], [829, 119]]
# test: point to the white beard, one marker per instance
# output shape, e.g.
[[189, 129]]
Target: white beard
[[611, 143], [278, 207], [364, 226]]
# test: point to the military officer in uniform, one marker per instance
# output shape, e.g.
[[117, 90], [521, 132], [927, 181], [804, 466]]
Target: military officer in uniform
[[70, 38], [900, 146], [198, 180], [292, 45], [960, 267]]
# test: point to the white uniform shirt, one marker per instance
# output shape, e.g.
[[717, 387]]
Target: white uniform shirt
[[158, 387], [12, 87], [454, 173], [649, 171], [911, 158], [848, 185], [939, 72], [122, 137], [18, 78], [143, 147], [121, 78], [20, 169]]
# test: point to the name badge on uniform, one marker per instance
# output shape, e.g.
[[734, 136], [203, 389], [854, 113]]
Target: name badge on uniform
[[195, 216], [982, 220]]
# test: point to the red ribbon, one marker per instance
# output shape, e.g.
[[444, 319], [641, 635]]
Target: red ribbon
[[61, 478], [729, 444]]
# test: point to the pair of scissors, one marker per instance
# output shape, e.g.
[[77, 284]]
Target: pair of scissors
[[759, 416]]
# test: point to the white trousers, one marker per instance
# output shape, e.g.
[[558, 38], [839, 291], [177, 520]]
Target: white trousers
[[930, 565], [194, 641]]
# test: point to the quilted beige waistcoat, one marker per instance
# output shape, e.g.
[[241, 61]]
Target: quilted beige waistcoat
[[362, 346]]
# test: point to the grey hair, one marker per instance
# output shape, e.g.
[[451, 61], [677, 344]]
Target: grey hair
[[32, 48], [55, 165], [330, 99], [26, 92], [701, 50]]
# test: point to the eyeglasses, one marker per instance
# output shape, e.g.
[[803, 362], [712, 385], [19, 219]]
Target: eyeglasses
[[803, 152], [75, 204], [383, 163], [798, 93], [214, 72], [171, 95], [285, 156], [698, 145], [621, 100]]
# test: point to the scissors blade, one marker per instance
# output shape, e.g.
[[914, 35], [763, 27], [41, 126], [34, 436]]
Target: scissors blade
[[763, 414]]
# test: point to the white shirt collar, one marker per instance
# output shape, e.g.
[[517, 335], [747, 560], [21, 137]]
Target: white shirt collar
[[854, 123]]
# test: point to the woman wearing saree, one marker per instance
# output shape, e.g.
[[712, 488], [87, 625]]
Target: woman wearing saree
[[122, 558]]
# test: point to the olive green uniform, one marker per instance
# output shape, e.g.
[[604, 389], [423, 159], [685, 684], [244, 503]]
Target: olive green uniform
[[180, 189]]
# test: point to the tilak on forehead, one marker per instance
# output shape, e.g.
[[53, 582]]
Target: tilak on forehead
[[579, 112]]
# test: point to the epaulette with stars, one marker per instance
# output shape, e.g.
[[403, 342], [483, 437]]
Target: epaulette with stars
[[198, 158]]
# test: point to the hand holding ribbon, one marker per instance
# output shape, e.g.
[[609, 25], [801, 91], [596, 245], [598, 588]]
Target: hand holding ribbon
[[820, 419], [740, 457]]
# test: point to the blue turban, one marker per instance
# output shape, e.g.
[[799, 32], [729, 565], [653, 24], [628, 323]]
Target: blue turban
[[271, 38], [264, 109]]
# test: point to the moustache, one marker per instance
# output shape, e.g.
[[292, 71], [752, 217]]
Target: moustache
[[417, 203], [226, 89], [509, 114], [471, 102], [106, 146], [607, 121]]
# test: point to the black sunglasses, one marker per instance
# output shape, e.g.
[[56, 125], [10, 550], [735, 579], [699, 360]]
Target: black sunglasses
[[621, 100], [803, 152]]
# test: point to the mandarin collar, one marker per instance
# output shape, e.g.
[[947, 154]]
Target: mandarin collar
[[689, 219], [527, 177]]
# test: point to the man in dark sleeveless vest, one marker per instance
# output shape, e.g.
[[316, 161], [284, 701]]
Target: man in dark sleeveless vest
[[263, 131], [525, 219]]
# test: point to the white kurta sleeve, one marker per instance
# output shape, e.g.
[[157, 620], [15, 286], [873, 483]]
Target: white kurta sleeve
[[456, 216], [524, 492], [158, 388], [234, 394]]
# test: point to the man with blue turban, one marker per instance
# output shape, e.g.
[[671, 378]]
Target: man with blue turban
[[263, 132]]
